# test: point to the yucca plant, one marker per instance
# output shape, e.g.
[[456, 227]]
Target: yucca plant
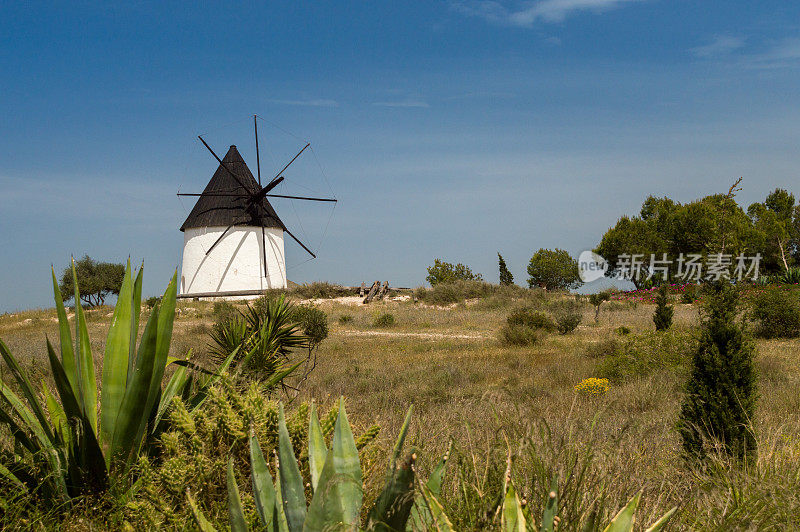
[[337, 487], [76, 444], [265, 337]]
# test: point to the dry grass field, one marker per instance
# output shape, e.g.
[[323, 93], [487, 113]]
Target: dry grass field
[[466, 386]]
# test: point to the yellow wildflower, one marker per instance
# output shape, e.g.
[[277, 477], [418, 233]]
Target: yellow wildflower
[[592, 386]]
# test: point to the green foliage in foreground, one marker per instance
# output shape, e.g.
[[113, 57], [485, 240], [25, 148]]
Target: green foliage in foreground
[[336, 482], [95, 280], [68, 443], [720, 395]]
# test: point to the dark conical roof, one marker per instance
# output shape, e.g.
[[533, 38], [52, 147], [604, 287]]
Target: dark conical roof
[[222, 211]]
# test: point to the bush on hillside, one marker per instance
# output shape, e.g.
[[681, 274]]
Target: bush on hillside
[[518, 335], [313, 321], [385, 319], [534, 319], [776, 313], [567, 315], [445, 272], [321, 290]]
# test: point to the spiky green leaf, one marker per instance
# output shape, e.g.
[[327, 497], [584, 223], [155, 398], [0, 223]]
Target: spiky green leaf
[[661, 523], [238, 523], [317, 449], [293, 498], [513, 520], [263, 489], [623, 521]]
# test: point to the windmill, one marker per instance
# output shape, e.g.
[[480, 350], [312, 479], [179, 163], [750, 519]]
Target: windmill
[[233, 238]]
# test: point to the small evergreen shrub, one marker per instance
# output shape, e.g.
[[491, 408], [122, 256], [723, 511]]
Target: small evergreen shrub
[[518, 335], [664, 311], [622, 330], [533, 319], [596, 300], [720, 395], [344, 319], [776, 313], [313, 321], [445, 272], [151, 302], [567, 316], [385, 319]]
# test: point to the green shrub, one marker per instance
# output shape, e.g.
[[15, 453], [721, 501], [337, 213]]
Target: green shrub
[[533, 319], [603, 348], [776, 313], [151, 302], [567, 315], [385, 319], [518, 335], [641, 355], [662, 317], [689, 294], [445, 272], [344, 319], [223, 310], [720, 395], [321, 290], [622, 330], [313, 321]]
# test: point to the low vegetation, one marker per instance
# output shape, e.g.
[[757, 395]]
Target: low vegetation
[[579, 430]]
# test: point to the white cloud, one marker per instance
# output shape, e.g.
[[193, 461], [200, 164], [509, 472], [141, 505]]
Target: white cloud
[[528, 13], [721, 45], [403, 103], [307, 103]]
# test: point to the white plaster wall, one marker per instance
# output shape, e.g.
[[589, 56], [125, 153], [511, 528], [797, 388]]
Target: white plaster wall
[[236, 263]]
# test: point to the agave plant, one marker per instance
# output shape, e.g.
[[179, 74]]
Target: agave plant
[[76, 443], [514, 518], [337, 487]]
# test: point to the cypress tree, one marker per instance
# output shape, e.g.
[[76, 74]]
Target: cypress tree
[[506, 279], [720, 396], [663, 314]]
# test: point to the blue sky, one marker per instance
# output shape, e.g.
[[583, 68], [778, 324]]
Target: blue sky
[[446, 129]]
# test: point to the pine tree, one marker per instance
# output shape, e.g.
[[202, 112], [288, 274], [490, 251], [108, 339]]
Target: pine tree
[[720, 396], [506, 279], [663, 314]]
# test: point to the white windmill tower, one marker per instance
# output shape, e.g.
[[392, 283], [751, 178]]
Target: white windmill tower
[[233, 238]]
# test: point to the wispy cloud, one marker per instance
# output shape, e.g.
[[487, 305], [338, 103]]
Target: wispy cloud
[[721, 45], [528, 13], [307, 103], [403, 103], [782, 54]]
